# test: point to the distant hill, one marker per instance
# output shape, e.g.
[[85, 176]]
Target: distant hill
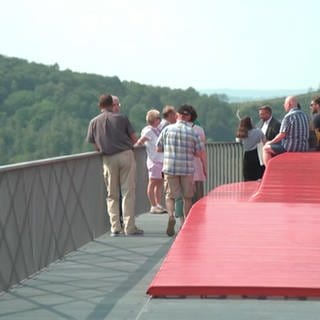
[[242, 95], [44, 112]]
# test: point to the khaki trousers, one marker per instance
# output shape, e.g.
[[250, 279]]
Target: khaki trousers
[[119, 172]]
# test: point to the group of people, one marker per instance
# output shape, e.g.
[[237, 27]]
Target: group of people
[[176, 161], [272, 137], [176, 157]]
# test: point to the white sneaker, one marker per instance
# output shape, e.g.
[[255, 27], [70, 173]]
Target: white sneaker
[[162, 208], [156, 210]]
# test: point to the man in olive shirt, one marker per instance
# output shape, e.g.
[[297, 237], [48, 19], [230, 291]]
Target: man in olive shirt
[[113, 135]]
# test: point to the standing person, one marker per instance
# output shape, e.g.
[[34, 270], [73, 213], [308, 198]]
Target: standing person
[[113, 135], [149, 137], [116, 104], [250, 138], [270, 127], [294, 132], [314, 139], [180, 144], [116, 109], [200, 163], [169, 116]]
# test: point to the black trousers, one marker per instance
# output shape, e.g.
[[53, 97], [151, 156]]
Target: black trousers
[[252, 169]]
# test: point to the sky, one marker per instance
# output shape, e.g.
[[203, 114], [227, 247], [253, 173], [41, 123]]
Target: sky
[[204, 44]]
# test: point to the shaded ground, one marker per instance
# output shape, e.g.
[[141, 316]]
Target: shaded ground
[[108, 278]]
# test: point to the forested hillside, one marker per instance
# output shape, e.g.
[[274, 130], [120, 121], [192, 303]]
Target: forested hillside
[[44, 112]]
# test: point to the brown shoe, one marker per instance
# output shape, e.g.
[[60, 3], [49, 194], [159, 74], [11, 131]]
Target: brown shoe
[[170, 228]]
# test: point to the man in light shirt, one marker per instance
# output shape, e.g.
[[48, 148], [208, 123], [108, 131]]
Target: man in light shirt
[[294, 132]]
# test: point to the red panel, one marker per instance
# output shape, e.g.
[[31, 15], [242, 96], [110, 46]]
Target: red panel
[[230, 246], [291, 177]]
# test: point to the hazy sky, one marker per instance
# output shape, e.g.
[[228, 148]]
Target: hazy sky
[[237, 44]]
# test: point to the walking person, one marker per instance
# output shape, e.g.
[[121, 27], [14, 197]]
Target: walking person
[[200, 167], [180, 144], [113, 135]]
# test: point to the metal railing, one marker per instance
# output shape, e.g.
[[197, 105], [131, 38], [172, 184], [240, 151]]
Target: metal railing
[[51, 207], [224, 164]]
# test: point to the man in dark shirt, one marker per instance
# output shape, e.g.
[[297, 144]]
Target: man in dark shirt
[[269, 125], [113, 135], [315, 121]]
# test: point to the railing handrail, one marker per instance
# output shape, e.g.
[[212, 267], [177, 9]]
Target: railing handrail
[[41, 162]]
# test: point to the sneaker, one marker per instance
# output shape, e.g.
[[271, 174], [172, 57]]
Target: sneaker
[[156, 210], [114, 233], [170, 228], [135, 232], [164, 210]]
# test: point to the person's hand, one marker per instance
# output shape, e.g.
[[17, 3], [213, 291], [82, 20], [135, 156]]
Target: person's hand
[[204, 169]]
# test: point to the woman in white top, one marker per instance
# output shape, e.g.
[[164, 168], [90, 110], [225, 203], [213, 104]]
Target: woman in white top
[[149, 136]]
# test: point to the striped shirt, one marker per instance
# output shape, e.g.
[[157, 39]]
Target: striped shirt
[[179, 143], [295, 125]]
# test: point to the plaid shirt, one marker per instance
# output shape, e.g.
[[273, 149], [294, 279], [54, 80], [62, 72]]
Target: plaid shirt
[[179, 143], [296, 126]]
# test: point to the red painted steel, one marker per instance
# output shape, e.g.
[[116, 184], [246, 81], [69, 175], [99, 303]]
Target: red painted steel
[[291, 177], [232, 246]]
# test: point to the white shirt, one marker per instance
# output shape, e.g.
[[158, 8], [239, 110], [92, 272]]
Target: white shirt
[[265, 125], [151, 134]]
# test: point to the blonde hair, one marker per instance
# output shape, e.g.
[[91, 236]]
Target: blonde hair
[[152, 115]]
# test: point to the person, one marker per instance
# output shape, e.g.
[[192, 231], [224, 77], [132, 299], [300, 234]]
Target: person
[[169, 116], [180, 144], [115, 104], [200, 167], [113, 135], [294, 132], [250, 137], [200, 163], [149, 136], [270, 127], [314, 139], [116, 108]]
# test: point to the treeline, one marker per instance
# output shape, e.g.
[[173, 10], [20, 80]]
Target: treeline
[[44, 112]]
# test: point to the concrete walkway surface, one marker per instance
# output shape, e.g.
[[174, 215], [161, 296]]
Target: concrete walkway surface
[[108, 278]]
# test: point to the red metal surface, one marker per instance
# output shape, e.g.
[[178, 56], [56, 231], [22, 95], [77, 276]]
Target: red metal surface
[[230, 246], [291, 177]]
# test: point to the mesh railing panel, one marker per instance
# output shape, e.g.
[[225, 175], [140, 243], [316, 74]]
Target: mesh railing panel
[[224, 164], [47, 210], [51, 207]]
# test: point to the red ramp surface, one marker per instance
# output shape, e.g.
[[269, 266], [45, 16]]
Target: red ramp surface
[[232, 246]]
